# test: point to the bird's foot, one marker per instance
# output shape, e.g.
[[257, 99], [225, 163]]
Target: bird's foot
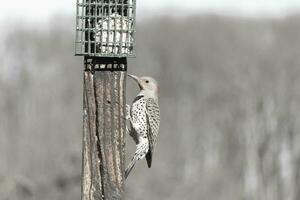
[[127, 112]]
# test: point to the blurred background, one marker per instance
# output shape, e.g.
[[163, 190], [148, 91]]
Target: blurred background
[[229, 73]]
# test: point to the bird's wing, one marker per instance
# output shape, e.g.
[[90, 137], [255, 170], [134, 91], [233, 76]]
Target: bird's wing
[[153, 120]]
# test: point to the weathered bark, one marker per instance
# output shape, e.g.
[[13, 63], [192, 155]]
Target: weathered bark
[[103, 133]]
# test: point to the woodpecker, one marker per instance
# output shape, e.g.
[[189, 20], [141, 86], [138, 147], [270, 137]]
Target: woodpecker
[[144, 120]]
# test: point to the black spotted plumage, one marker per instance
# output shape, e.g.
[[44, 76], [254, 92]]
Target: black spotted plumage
[[144, 119], [153, 120]]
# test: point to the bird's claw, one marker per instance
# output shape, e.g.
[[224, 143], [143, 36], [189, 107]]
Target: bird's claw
[[127, 112]]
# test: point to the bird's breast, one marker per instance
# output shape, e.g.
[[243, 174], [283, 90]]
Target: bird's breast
[[138, 115]]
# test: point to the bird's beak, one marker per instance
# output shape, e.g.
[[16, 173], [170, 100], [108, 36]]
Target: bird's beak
[[136, 79]]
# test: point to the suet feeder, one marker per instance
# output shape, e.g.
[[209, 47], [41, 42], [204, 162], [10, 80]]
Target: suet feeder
[[105, 37], [105, 28]]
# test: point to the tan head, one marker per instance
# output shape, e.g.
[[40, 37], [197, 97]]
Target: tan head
[[148, 85]]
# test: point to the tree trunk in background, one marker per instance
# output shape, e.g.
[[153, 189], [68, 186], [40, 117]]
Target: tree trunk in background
[[103, 134], [270, 170]]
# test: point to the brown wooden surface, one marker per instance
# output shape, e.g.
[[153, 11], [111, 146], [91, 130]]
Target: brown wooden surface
[[103, 135]]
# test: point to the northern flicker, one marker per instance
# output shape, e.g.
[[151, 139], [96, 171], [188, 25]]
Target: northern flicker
[[144, 120]]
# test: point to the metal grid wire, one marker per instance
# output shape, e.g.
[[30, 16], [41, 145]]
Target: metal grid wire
[[105, 28]]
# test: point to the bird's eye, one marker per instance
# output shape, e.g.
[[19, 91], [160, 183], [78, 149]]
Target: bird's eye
[[147, 81]]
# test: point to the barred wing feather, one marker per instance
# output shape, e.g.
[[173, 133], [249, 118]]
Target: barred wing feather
[[153, 120]]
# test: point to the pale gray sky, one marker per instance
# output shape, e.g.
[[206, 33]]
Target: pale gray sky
[[40, 10]]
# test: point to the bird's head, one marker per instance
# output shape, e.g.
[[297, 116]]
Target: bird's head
[[147, 84]]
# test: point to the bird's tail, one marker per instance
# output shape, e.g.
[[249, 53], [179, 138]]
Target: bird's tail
[[130, 167], [139, 154]]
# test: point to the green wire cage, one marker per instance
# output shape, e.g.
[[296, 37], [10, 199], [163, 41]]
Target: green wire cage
[[105, 28]]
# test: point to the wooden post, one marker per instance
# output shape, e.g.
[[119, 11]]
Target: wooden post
[[104, 129]]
